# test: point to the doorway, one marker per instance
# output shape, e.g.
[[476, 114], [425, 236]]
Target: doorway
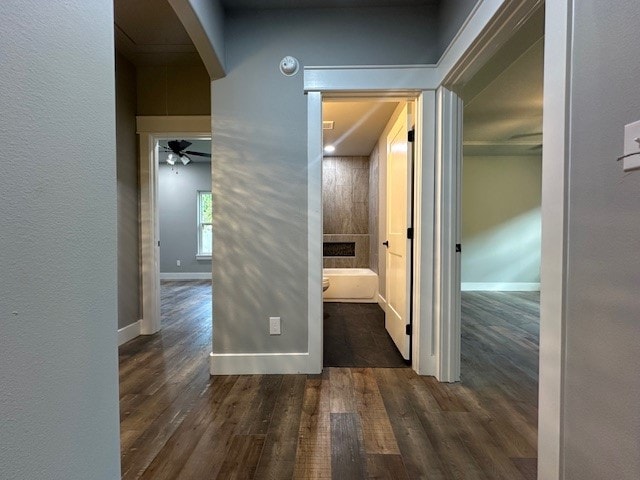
[[367, 214]]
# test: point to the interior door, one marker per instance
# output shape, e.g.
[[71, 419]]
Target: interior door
[[398, 251]]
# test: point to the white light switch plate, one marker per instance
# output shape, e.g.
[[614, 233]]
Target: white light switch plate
[[631, 145]]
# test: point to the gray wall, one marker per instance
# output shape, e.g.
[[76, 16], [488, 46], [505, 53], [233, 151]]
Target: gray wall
[[374, 207], [602, 376], [345, 208], [177, 208], [128, 205], [501, 219], [260, 157], [58, 299], [452, 14]]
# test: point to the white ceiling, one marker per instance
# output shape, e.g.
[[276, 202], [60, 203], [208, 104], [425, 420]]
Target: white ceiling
[[357, 125], [503, 109]]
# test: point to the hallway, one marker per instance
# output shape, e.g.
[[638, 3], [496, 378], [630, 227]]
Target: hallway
[[348, 423]]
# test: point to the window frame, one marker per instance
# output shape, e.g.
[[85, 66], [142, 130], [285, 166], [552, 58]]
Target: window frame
[[200, 253]]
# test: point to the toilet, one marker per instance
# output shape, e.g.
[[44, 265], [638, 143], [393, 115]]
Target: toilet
[[325, 283]]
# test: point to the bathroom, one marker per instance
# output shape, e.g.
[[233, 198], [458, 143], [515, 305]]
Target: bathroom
[[355, 139]]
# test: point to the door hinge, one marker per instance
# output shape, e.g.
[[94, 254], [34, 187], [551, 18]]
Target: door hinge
[[410, 233], [411, 135], [408, 329], [458, 247]]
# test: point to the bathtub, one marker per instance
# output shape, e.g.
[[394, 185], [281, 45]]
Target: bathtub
[[357, 285]]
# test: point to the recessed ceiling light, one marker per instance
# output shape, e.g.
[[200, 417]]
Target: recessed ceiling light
[[329, 149]]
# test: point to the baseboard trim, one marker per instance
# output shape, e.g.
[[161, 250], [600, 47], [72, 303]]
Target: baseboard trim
[[500, 287], [129, 332], [259, 363], [185, 276]]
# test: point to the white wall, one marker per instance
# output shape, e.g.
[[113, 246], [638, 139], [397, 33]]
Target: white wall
[[260, 153], [178, 214], [58, 299], [602, 367], [501, 222]]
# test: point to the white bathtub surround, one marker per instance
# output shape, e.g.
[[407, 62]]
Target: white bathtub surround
[[355, 285]]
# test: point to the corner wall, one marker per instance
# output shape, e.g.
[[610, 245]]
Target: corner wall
[[58, 209], [601, 419], [129, 311]]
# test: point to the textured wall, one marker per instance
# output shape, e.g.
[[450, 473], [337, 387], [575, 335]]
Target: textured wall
[[177, 208], [602, 375], [128, 204], [58, 297], [501, 219], [260, 156]]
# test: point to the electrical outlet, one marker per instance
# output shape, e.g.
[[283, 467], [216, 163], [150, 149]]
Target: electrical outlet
[[631, 161], [274, 326], [178, 262]]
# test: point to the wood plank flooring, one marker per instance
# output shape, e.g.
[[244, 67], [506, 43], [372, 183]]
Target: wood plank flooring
[[177, 422], [354, 336]]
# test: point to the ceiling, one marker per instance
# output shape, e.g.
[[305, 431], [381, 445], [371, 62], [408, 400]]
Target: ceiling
[[503, 102], [357, 125], [148, 32], [256, 4]]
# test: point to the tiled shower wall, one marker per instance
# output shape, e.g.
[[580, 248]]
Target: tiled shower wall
[[345, 203], [374, 176]]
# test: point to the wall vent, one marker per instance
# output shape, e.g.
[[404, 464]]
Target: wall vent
[[327, 124]]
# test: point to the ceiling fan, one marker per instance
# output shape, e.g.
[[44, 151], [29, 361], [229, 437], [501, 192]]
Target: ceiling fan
[[177, 149]]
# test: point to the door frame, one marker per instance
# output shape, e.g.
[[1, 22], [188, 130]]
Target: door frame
[[397, 81], [150, 129]]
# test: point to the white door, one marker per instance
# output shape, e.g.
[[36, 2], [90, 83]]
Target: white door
[[398, 251]]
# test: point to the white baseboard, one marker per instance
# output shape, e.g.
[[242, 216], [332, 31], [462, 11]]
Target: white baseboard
[[185, 276], [500, 287], [128, 333], [259, 363]]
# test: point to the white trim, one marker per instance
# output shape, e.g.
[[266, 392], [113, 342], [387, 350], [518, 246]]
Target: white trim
[[447, 233], [151, 129], [423, 343], [314, 232], [183, 276], [396, 78], [129, 332], [259, 363], [553, 269], [500, 287]]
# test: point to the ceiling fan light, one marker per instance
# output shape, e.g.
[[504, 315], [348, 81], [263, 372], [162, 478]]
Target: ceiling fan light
[[185, 160], [171, 159]]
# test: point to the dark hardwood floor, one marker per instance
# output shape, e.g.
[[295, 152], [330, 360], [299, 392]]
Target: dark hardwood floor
[[347, 423], [354, 336]]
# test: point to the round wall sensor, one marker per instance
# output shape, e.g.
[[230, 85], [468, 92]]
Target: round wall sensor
[[289, 66]]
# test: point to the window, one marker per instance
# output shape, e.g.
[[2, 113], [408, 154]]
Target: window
[[205, 229]]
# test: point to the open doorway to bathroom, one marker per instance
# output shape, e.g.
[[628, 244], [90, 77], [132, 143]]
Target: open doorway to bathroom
[[367, 208]]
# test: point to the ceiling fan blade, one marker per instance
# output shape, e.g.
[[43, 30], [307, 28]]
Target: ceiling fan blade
[[178, 145], [198, 154]]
